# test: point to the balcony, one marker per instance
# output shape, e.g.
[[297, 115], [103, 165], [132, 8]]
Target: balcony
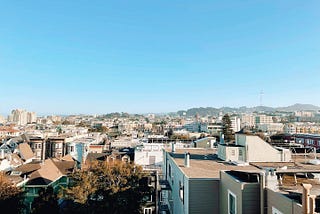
[[163, 208], [163, 183]]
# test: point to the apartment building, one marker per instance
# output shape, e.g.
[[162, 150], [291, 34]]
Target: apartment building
[[262, 118], [191, 179], [197, 181], [149, 155], [247, 120], [250, 148], [38, 146]]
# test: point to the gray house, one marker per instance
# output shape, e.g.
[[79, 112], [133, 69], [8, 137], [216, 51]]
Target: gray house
[[241, 192], [193, 181]]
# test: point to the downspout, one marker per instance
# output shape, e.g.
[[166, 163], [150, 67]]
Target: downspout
[[262, 187]]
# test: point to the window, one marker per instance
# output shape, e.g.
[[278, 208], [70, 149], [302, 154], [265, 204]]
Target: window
[[161, 197], [276, 211], [232, 203], [152, 160], [148, 198], [149, 181], [147, 210], [233, 152], [181, 191], [240, 152]]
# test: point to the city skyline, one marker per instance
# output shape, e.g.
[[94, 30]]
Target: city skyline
[[140, 57]]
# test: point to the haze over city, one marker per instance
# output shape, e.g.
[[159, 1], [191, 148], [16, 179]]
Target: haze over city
[[140, 56]]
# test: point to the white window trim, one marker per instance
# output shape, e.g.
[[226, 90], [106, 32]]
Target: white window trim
[[149, 210], [235, 205]]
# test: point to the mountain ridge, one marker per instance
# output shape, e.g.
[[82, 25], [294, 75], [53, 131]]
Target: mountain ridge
[[204, 111]]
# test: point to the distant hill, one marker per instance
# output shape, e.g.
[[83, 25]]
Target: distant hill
[[204, 111], [299, 107]]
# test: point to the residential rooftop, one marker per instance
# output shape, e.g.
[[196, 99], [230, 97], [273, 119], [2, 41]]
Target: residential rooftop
[[204, 163]]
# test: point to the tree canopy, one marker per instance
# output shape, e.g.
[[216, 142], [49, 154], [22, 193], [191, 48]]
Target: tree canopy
[[10, 196], [46, 202], [227, 128], [112, 187]]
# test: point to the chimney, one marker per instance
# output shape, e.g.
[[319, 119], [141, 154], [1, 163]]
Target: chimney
[[173, 149], [2, 153], [187, 159], [305, 198], [312, 201], [222, 139]]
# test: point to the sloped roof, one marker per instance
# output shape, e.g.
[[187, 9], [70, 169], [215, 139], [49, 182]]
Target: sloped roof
[[25, 151], [27, 168], [97, 156], [67, 157], [46, 174], [65, 167], [15, 160]]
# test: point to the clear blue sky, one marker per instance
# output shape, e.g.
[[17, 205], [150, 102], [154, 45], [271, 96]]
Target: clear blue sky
[[157, 56]]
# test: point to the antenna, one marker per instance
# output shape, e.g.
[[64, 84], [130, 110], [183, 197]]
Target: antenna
[[261, 95]]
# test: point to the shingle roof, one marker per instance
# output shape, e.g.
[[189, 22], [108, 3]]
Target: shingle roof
[[46, 174], [25, 151], [27, 168]]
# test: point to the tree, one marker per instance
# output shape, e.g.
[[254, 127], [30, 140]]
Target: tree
[[10, 196], [113, 186], [169, 133], [46, 202], [227, 128]]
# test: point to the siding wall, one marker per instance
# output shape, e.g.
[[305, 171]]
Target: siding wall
[[254, 144], [247, 195], [282, 203], [204, 196], [177, 205], [251, 198]]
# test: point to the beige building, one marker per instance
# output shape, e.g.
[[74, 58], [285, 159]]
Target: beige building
[[249, 148], [191, 181], [262, 118]]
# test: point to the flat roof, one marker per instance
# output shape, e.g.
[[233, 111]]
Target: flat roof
[[204, 163]]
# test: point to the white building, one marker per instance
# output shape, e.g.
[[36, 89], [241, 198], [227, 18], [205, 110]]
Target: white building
[[31, 117], [271, 127], [19, 116], [149, 155], [22, 117], [235, 123], [290, 128], [247, 120], [2, 119]]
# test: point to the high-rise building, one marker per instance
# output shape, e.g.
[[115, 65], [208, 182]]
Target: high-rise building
[[2, 119], [235, 123], [22, 117], [32, 117]]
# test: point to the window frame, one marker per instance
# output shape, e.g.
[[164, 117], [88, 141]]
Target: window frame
[[235, 202], [147, 212]]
